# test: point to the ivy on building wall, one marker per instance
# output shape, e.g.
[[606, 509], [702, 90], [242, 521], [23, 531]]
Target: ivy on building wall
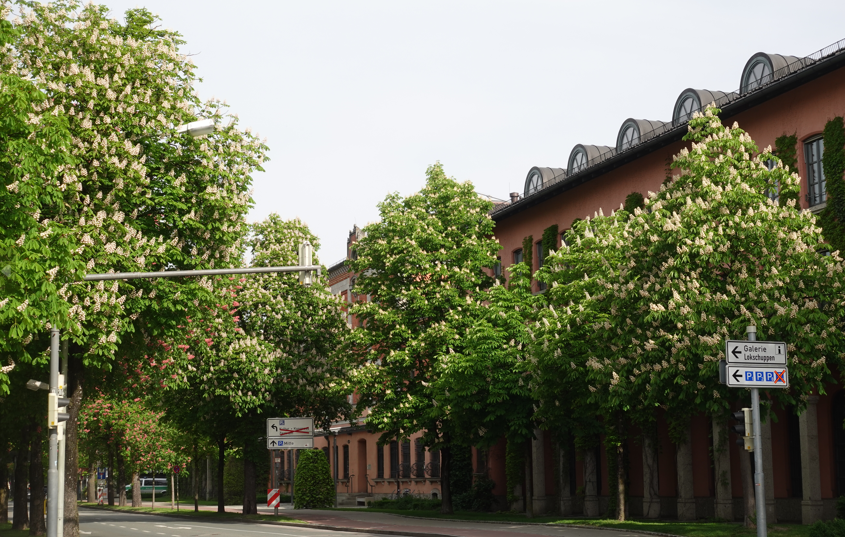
[[549, 239], [514, 469], [528, 251], [634, 200], [833, 163], [786, 149]]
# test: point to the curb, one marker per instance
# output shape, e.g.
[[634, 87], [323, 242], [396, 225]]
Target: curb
[[375, 531]]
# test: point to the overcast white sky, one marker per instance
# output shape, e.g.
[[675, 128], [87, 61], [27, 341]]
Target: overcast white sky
[[357, 98]]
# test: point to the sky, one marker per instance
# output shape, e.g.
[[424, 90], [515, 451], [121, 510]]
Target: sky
[[357, 98]]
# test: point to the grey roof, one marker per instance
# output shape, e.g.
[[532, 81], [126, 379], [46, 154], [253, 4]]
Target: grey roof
[[791, 74], [645, 128]]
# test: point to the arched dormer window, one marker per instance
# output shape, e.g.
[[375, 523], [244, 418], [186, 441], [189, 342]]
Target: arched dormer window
[[577, 160], [629, 136], [534, 183], [759, 74], [687, 105]]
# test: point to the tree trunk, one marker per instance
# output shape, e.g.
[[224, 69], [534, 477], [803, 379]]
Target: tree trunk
[[196, 482], [172, 490], [110, 475], [37, 522], [121, 478], [529, 482], [75, 381], [20, 517], [92, 482], [445, 474], [250, 506], [136, 490], [621, 509], [221, 465], [748, 488], [4, 491]]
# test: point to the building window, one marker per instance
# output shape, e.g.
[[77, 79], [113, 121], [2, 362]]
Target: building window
[[406, 460], [419, 458], [773, 192], [346, 461], [517, 256], [540, 258], [816, 188], [394, 459], [497, 268], [686, 108], [758, 75], [380, 462], [434, 465], [577, 162], [630, 137], [534, 183]]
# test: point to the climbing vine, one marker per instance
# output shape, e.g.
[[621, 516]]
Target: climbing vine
[[528, 251], [833, 163], [634, 200], [514, 469], [549, 239], [786, 149]]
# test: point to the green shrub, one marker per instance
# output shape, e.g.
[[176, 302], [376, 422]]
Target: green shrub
[[840, 507], [828, 528], [634, 200], [479, 498], [313, 485]]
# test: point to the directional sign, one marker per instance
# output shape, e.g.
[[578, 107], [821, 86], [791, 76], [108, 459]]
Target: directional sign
[[290, 427], [757, 377], [755, 352], [293, 443]]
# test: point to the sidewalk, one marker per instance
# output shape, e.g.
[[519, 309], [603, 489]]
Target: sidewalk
[[365, 520]]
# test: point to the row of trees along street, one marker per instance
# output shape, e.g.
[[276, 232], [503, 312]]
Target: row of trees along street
[[97, 179], [637, 307]]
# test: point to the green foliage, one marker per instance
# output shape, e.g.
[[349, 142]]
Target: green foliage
[[833, 163], [409, 502], [514, 468], [313, 485], [233, 480], [549, 239], [634, 200], [840, 507], [786, 149], [479, 498], [528, 251], [422, 263], [460, 474], [828, 528]]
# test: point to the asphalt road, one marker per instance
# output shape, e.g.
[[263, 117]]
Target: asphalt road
[[122, 524]]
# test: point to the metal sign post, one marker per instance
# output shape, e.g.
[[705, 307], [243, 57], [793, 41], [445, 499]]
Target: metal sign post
[[292, 434], [755, 364]]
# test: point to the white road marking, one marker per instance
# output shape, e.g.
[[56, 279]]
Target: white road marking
[[85, 532]]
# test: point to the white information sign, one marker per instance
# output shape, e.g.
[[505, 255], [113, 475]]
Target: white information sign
[[290, 428], [757, 353], [757, 377], [292, 443]]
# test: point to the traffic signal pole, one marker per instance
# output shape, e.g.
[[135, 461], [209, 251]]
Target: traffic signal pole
[[759, 488], [55, 397], [53, 460]]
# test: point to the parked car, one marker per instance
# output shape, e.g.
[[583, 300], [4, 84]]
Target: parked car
[[147, 486]]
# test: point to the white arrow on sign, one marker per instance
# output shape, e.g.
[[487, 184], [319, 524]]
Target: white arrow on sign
[[757, 377], [755, 352], [293, 443]]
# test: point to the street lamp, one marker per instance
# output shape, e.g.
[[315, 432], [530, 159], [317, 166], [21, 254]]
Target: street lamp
[[36, 385], [195, 129]]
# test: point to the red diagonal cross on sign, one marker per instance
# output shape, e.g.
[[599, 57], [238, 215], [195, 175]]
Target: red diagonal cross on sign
[[779, 376], [283, 432]]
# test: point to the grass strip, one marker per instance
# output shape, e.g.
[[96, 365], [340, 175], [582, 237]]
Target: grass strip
[[700, 528]]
